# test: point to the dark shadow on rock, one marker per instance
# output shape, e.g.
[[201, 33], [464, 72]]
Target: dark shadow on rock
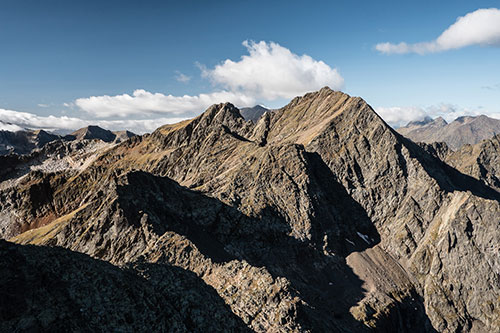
[[408, 315], [11, 165], [222, 233], [448, 178], [333, 204], [56, 290]]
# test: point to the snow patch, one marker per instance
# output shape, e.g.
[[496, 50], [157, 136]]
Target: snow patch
[[364, 237]]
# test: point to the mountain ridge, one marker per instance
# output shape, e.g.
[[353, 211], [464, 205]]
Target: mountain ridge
[[463, 130], [317, 199]]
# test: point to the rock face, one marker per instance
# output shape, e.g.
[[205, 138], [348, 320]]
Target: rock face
[[253, 113], [461, 131], [318, 217], [481, 161], [121, 136], [56, 290], [23, 142], [95, 132]]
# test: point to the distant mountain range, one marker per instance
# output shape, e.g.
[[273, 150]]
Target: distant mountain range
[[24, 141], [463, 130]]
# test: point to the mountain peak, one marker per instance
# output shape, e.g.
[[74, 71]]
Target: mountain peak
[[307, 116], [220, 114], [462, 130], [425, 121], [326, 90], [253, 113], [439, 121], [93, 132]]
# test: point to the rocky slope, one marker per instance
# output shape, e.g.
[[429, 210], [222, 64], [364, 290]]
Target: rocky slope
[[319, 217], [23, 142], [55, 290], [461, 131], [481, 161], [96, 132], [26, 141], [253, 113]]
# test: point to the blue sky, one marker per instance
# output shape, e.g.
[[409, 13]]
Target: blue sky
[[67, 63]]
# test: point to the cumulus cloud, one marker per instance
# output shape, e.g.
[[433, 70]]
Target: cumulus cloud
[[182, 77], [15, 121], [481, 27], [398, 116], [10, 127], [271, 71], [143, 102]]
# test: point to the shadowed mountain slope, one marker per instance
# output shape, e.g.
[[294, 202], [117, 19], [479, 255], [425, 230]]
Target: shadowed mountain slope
[[55, 290], [319, 217], [253, 113], [23, 142], [481, 161]]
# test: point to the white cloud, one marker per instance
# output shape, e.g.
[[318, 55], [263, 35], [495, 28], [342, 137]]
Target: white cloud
[[30, 120], [481, 27], [43, 105], [143, 102], [19, 120], [9, 127], [271, 71], [451, 112], [267, 73], [182, 77], [398, 116]]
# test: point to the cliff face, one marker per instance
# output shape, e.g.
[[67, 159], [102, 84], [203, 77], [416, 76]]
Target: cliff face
[[23, 142], [481, 161], [319, 217]]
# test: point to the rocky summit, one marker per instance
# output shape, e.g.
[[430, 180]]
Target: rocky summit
[[316, 217]]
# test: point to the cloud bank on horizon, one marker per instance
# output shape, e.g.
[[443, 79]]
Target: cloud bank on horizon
[[268, 72], [398, 116], [16, 121], [480, 27]]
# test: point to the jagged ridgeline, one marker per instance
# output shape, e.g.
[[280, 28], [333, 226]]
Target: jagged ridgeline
[[317, 217]]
